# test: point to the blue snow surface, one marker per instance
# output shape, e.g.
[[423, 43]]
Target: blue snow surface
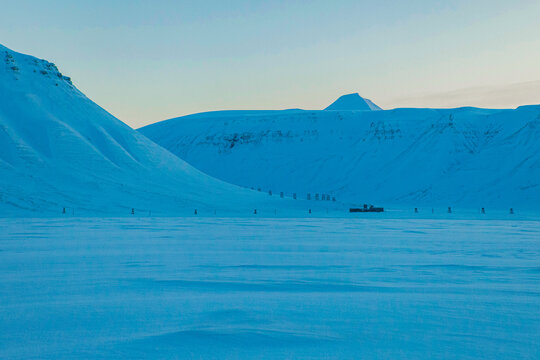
[[245, 288]]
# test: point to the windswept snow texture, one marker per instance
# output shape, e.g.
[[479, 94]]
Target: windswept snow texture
[[466, 157], [352, 102], [186, 288], [60, 150]]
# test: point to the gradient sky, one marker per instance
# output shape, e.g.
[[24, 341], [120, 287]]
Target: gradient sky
[[146, 61]]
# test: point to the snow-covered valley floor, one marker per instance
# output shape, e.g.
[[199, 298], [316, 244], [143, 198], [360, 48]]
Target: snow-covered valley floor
[[216, 288]]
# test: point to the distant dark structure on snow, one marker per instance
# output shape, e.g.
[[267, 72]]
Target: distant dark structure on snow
[[367, 208]]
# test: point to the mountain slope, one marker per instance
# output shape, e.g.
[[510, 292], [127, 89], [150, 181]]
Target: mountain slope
[[59, 149], [413, 157]]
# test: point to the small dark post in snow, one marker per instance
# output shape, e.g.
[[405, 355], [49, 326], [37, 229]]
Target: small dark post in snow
[[259, 189], [449, 210], [432, 210], [294, 196], [483, 211], [511, 210], [310, 211], [270, 192], [195, 212], [64, 211], [316, 196], [309, 196], [327, 197], [281, 194], [132, 211], [416, 210], [333, 198], [255, 212]]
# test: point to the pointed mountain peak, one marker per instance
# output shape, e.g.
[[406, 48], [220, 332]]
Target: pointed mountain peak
[[353, 102]]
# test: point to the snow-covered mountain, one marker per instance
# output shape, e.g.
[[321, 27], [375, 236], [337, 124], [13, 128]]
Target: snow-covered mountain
[[465, 157], [352, 102], [60, 150]]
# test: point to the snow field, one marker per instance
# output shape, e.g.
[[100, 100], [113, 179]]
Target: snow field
[[222, 288]]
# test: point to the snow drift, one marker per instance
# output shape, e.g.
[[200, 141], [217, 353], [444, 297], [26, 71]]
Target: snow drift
[[60, 150], [413, 157]]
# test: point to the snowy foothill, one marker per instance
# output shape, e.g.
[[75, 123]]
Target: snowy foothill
[[465, 157]]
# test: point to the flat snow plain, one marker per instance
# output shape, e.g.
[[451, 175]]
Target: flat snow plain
[[268, 288]]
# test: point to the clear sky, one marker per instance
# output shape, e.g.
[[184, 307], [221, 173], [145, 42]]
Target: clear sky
[[146, 61]]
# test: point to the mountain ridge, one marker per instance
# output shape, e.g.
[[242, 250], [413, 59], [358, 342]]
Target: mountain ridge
[[468, 157]]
